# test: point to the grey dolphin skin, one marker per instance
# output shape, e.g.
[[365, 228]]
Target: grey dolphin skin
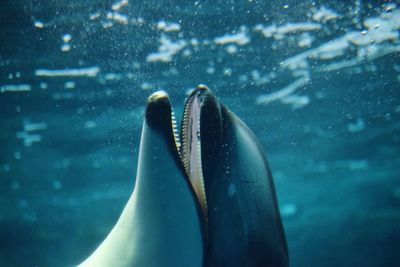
[[202, 198]]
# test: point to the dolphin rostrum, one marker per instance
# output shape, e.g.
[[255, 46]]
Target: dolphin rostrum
[[202, 198]]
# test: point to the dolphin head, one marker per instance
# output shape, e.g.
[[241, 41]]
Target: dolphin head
[[229, 173]]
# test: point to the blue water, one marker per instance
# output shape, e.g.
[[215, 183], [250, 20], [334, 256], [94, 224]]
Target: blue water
[[317, 81]]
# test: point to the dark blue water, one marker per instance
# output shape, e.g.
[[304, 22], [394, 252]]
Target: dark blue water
[[318, 82]]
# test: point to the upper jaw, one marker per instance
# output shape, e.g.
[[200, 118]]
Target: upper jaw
[[201, 114]]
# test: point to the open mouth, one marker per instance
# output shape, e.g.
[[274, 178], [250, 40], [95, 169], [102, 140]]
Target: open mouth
[[190, 151], [200, 123], [197, 139]]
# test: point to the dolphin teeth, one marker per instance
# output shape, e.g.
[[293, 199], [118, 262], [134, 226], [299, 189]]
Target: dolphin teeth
[[191, 146], [175, 132], [200, 170]]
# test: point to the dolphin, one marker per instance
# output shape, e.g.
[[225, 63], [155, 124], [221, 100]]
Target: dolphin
[[204, 197]]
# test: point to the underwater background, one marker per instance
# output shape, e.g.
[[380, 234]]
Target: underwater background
[[317, 81]]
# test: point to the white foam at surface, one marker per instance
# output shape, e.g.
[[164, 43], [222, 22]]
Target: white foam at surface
[[298, 27], [375, 51], [166, 50], [297, 61], [338, 65], [279, 32], [112, 76], [381, 38], [305, 40], [301, 73], [372, 36], [168, 26], [385, 22], [15, 88], [368, 53], [331, 49], [328, 50], [118, 5], [240, 38], [84, 72], [267, 31], [324, 14], [296, 101], [118, 17], [94, 16], [284, 92]]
